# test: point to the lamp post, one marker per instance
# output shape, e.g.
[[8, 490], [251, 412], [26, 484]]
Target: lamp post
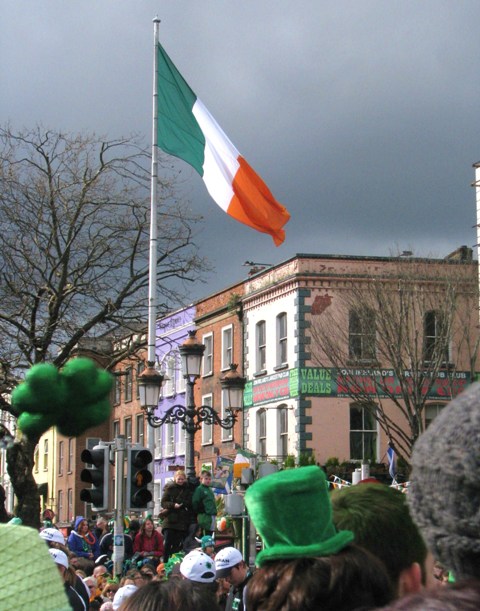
[[190, 415]]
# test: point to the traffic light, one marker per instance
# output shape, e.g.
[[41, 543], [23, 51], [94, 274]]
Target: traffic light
[[97, 475], [138, 477]]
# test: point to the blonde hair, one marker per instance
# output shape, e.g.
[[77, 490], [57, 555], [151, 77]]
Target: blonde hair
[[178, 473]]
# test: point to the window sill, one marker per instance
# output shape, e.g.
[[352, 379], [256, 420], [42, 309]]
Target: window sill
[[258, 374], [281, 367], [363, 363], [443, 365]]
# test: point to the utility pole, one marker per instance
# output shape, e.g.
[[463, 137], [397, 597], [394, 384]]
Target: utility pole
[[118, 537]]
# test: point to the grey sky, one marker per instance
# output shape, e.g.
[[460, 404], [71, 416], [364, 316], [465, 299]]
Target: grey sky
[[362, 116]]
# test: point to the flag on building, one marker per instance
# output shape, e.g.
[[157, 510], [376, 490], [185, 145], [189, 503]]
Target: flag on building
[[187, 130], [392, 463]]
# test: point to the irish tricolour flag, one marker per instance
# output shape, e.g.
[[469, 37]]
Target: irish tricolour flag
[[187, 130]]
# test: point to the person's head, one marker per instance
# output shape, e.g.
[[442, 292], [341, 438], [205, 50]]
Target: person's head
[[81, 525], [134, 577], [207, 544], [380, 519], [350, 579], [461, 596], [109, 590], [48, 515], [229, 565], [29, 577], [172, 594], [198, 567], [147, 571], [147, 527], [179, 477], [122, 594], [101, 574], [444, 487], [60, 559], [91, 584], [80, 563], [205, 477], [101, 523], [134, 528], [53, 537]]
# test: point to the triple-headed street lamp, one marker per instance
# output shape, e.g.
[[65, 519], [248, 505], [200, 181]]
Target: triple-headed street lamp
[[150, 383]]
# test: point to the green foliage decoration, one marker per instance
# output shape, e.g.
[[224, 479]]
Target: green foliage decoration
[[73, 399]]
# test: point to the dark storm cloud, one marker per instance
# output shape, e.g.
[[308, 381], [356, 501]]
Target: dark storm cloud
[[362, 117]]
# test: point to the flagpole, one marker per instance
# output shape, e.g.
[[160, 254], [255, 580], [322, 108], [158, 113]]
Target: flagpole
[[152, 278], [152, 282]]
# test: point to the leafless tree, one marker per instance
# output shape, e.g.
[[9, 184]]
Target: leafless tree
[[74, 250], [390, 336]]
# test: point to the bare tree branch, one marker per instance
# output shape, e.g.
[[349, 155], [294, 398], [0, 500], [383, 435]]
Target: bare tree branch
[[74, 248], [378, 325]]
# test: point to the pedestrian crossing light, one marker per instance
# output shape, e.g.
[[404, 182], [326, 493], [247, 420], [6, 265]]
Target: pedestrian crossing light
[[138, 477], [96, 474]]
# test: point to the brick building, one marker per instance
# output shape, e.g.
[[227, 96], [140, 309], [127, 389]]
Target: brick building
[[219, 324]]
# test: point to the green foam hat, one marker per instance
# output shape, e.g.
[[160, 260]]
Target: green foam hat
[[291, 511]]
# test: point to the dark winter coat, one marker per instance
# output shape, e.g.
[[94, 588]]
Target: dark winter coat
[[178, 519]]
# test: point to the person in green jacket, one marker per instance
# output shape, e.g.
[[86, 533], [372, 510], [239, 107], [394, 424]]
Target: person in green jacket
[[203, 502]]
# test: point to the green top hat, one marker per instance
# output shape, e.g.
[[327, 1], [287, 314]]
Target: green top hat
[[291, 511]]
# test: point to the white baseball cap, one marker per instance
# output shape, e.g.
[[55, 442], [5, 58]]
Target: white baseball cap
[[226, 559], [197, 566], [59, 557], [52, 535], [122, 594]]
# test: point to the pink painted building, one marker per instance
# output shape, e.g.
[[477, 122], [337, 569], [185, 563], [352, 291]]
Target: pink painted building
[[319, 360]]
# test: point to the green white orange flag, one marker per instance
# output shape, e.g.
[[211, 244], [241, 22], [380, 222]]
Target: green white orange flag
[[187, 130]]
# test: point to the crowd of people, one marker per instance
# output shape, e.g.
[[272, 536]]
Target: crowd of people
[[360, 548]]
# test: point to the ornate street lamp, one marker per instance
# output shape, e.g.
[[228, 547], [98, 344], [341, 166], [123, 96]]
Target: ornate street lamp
[[190, 415], [150, 383]]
